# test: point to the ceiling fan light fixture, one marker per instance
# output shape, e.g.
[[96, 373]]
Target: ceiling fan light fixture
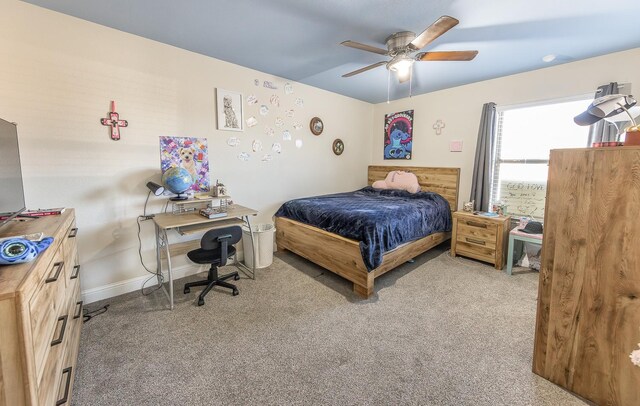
[[402, 66]]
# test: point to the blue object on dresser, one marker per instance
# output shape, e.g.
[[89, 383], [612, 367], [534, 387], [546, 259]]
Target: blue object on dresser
[[381, 220], [19, 250]]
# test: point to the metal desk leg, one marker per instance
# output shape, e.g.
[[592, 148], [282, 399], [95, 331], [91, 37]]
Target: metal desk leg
[[253, 248], [158, 260], [169, 269], [243, 266], [162, 242], [510, 255]]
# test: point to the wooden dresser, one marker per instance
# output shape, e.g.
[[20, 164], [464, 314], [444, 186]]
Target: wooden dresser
[[479, 237], [41, 316], [588, 316]]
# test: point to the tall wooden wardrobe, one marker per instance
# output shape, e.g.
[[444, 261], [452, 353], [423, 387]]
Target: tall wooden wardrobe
[[588, 316]]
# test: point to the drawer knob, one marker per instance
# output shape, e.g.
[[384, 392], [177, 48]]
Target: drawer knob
[[76, 272], [473, 240], [64, 327], [67, 386], [73, 232], [58, 266]]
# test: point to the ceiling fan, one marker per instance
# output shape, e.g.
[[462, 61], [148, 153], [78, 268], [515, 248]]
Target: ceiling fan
[[402, 45]]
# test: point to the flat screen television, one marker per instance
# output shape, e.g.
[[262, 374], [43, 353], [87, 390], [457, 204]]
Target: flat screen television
[[11, 189]]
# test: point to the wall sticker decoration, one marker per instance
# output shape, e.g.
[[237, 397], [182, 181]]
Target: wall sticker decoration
[[288, 88], [252, 122], [438, 126], [269, 85], [188, 153], [398, 135]]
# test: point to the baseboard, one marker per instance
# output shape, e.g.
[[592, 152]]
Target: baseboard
[[133, 284]]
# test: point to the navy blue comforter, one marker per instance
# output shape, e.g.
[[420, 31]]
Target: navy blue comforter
[[380, 219]]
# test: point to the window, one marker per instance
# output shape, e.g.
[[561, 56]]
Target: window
[[524, 138]]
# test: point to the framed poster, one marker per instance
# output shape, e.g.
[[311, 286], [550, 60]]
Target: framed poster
[[188, 153], [229, 109], [398, 135]]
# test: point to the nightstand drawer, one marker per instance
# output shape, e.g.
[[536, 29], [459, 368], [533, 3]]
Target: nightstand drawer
[[477, 228], [475, 251], [477, 241]]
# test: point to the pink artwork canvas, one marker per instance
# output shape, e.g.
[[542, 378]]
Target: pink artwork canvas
[[188, 153]]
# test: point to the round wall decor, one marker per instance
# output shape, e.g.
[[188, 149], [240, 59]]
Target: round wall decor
[[316, 126], [338, 146]]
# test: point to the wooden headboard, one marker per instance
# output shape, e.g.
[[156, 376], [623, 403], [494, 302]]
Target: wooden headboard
[[444, 181]]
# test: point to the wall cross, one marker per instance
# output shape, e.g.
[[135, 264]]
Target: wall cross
[[113, 120]]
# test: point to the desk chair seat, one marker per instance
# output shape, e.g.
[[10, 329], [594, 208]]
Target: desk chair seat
[[215, 248]]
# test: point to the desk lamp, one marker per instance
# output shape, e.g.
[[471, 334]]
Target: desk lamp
[[614, 108], [155, 188]]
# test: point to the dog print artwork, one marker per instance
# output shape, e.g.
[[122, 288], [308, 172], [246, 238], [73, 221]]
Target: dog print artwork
[[188, 153], [398, 135], [229, 109]]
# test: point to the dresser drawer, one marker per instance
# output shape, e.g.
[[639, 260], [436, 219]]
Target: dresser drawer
[[74, 301], [70, 249], [59, 371], [51, 374], [45, 306]]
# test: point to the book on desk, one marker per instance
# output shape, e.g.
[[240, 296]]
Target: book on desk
[[212, 213]]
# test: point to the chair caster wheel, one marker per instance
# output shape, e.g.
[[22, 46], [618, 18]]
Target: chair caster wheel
[[236, 292], [236, 278], [200, 301], [186, 290]]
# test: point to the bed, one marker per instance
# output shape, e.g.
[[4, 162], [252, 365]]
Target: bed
[[343, 255]]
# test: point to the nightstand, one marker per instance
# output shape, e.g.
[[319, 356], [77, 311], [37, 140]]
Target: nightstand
[[480, 237]]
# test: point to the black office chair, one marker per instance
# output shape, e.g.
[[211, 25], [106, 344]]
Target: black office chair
[[216, 247]]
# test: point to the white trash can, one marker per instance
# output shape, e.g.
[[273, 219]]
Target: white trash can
[[263, 239]]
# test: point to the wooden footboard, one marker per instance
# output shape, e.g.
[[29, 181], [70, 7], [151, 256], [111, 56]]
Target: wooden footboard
[[342, 255]]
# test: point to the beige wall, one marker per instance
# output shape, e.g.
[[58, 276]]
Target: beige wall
[[57, 77], [460, 107]]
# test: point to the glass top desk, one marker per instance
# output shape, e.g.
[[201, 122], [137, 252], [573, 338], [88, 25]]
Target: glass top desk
[[191, 223]]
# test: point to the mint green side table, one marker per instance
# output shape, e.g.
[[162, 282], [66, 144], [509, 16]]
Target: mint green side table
[[516, 235]]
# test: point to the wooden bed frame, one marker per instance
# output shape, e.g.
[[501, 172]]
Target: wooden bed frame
[[342, 255]]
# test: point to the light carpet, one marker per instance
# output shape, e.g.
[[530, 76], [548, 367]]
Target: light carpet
[[439, 331]]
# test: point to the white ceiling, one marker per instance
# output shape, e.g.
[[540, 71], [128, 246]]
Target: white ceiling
[[300, 39]]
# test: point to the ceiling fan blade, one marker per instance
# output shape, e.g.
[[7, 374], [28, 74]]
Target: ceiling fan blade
[[364, 47], [366, 68], [442, 25], [447, 56]]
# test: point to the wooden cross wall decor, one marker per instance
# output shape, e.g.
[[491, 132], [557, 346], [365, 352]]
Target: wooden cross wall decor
[[438, 126], [113, 120]]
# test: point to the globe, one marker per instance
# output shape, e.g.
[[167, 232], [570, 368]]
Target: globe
[[177, 180]]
